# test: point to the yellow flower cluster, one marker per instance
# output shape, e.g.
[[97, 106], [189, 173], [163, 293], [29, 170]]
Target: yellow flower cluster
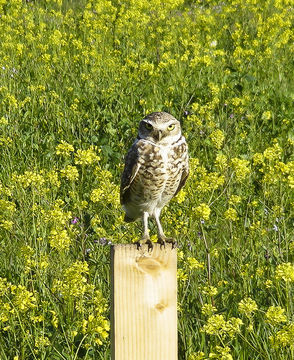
[[59, 239], [87, 157], [7, 210], [208, 309], [74, 281], [21, 299], [96, 325], [234, 199], [284, 337], [217, 138], [275, 315], [221, 353], [29, 178], [56, 215], [240, 168], [231, 214], [217, 325], [247, 306], [70, 172], [204, 181], [64, 149], [24, 299], [221, 162], [202, 211], [194, 263], [285, 271]]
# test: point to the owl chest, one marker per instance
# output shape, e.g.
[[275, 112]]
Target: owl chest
[[155, 163], [158, 171]]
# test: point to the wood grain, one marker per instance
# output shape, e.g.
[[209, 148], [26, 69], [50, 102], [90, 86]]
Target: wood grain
[[144, 303]]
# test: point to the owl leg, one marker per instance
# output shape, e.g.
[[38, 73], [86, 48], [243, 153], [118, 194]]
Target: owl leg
[[162, 239], [146, 237]]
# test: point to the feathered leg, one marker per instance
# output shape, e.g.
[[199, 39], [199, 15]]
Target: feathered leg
[[146, 237], [162, 239]]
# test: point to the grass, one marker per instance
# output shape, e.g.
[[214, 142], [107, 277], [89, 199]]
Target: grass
[[76, 77]]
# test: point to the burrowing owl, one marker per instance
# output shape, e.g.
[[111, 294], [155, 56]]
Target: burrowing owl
[[156, 168]]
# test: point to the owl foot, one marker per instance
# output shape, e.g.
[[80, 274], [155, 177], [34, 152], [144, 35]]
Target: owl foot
[[163, 240], [144, 241]]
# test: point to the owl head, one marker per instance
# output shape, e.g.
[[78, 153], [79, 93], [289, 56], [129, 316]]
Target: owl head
[[160, 128]]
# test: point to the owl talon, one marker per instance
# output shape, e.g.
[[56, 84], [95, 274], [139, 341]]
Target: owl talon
[[161, 242], [138, 244], [172, 242], [150, 245], [144, 241]]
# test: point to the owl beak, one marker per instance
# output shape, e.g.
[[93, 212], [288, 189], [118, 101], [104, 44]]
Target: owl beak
[[158, 135]]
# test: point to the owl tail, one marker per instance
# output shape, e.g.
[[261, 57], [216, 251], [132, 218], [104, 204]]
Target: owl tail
[[128, 219]]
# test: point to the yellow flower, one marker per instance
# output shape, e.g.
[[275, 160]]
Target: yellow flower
[[5, 141], [217, 325], [70, 173], [284, 337], [54, 320], [6, 224], [194, 264], [268, 283], [59, 239], [221, 162], [182, 276], [42, 341], [208, 309], [240, 168], [275, 315], [234, 199], [222, 353], [217, 137], [285, 271], [194, 120], [64, 148], [197, 356], [231, 214], [24, 299], [57, 216], [37, 318], [209, 290], [86, 157], [3, 121], [97, 195], [247, 306], [74, 282], [29, 178], [258, 159], [52, 178], [273, 153], [266, 115], [181, 196], [202, 211]]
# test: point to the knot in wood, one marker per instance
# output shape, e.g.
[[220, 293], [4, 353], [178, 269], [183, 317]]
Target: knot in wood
[[160, 307], [149, 265]]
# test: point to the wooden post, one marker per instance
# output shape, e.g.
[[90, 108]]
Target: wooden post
[[144, 303]]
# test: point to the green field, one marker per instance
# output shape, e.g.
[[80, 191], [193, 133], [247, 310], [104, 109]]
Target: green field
[[76, 78]]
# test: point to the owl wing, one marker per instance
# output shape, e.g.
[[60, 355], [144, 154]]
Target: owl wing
[[183, 180], [130, 171], [185, 174]]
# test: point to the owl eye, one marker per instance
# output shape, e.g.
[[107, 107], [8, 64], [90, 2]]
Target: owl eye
[[171, 127], [148, 126]]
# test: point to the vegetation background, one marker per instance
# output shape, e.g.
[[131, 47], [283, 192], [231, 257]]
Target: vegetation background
[[76, 77]]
